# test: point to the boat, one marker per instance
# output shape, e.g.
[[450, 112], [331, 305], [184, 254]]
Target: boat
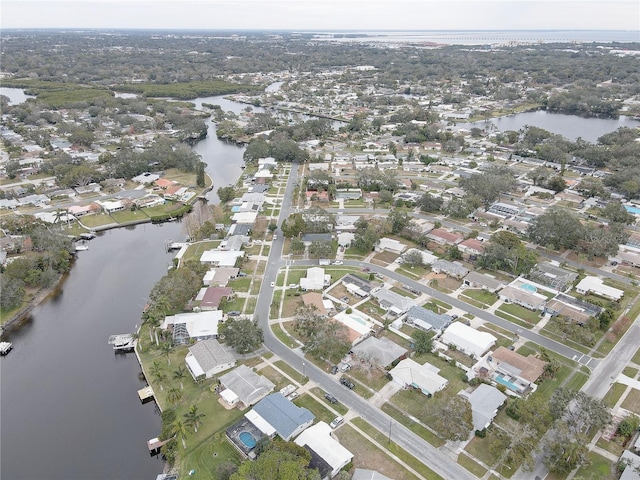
[[82, 248], [87, 236], [5, 347], [122, 342]]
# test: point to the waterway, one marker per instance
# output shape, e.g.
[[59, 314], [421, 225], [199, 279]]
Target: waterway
[[569, 126], [68, 404]]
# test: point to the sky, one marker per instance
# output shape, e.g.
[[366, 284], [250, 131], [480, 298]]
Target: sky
[[323, 14]]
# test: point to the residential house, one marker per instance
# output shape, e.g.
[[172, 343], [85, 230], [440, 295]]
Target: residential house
[[364, 474], [208, 357], [427, 319], [193, 325], [393, 302], [210, 298], [410, 374], [322, 305], [149, 201], [316, 279], [516, 372], [381, 350], [245, 217], [221, 258], [445, 237], [427, 257], [346, 238], [274, 414], [577, 310], [390, 245], [597, 287], [110, 206], [517, 295], [553, 276], [471, 247], [482, 281], [359, 326], [145, 178], [505, 210], [220, 276], [452, 269], [357, 285], [347, 222], [468, 340], [81, 210], [326, 453], [243, 387], [485, 402]]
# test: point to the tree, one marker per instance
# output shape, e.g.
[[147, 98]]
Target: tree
[[413, 259], [615, 212], [226, 194], [398, 220], [12, 292], [320, 249], [422, 341], [490, 184], [176, 288], [193, 418], [628, 427], [448, 415], [279, 460], [564, 453], [243, 334], [297, 246], [166, 348], [329, 341], [429, 203], [557, 228], [307, 320], [174, 395], [454, 253], [200, 182], [160, 377], [179, 373], [179, 429], [257, 148]]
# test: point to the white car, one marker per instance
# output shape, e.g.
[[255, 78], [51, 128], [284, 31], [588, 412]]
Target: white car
[[336, 421], [338, 262], [273, 284]]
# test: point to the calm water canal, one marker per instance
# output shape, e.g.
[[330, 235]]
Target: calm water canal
[[68, 405]]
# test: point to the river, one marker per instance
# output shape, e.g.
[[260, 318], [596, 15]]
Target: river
[[68, 404]]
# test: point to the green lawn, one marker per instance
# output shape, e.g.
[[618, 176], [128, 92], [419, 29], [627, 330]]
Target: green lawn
[[577, 381], [598, 468], [124, 216], [338, 407], [195, 251], [97, 220], [395, 449], [283, 336], [481, 296], [240, 284], [630, 372], [416, 428], [636, 357], [521, 312], [320, 411], [632, 402], [471, 465], [293, 373]]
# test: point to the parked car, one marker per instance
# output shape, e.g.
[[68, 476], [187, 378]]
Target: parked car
[[330, 398], [336, 421], [338, 262], [334, 369], [233, 313], [293, 396], [347, 383]]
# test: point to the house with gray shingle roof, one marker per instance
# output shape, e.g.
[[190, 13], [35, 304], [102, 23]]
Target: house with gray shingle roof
[[485, 402], [427, 319], [382, 350], [243, 385], [393, 302], [207, 358], [451, 269], [275, 414]]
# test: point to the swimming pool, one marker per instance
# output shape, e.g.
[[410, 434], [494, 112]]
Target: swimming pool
[[361, 321], [508, 384], [634, 210], [247, 439], [528, 287]]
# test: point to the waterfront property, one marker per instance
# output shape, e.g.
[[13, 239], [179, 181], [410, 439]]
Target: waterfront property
[[274, 414], [208, 357], [193, 325]]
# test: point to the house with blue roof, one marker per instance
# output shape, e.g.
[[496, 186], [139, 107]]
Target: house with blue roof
[[275, 414]]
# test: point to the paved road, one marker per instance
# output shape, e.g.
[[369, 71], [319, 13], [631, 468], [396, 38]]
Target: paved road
[[409, 441]]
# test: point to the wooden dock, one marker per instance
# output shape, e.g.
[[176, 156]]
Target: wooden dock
[[145, 394]]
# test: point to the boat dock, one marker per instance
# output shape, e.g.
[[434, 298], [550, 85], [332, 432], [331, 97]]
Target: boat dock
[[145, 394], [123, 342], [155, 444], [5, 347]]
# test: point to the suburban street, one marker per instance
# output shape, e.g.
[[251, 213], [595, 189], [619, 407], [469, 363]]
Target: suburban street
[[603, 374]]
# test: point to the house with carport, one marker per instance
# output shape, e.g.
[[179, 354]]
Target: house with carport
[[428, 319], [393, 302], [274, 414], [482, 281], [243, 387]]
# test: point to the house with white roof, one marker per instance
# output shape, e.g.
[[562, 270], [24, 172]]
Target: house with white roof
[[274, 414], [245, 217], [322, 446], [221, 258], [193, 325], [243, 386], [208, 357], [482, 281], [316, 279], [359, 325], [468, 340], [597, 287], [410, 374], [427, 257], [485, 401], [390, 245]]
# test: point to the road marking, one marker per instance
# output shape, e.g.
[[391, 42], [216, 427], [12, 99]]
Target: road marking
[[574, 357]]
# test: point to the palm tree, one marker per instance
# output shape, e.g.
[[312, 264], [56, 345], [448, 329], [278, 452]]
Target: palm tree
[[179, 373], [174, 395], [160, 377], [166, 348], [179, 429], [193, 418], [155, 368]]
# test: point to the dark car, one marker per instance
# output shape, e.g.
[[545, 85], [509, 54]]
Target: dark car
[[347, 383], [330, 398], [233, 313], [334, 369]]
